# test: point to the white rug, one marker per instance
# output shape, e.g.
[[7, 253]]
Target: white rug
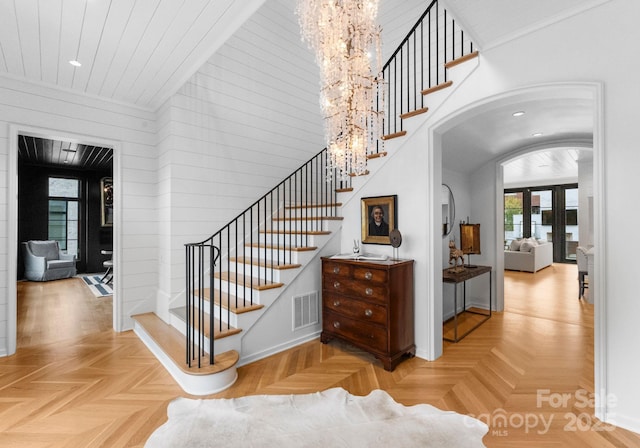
[[333, 418], [98, 288]]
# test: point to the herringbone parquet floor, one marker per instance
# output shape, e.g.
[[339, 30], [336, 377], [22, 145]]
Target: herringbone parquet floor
[[527, 372]]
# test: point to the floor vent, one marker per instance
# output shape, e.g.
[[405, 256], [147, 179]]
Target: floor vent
[[305, 310]]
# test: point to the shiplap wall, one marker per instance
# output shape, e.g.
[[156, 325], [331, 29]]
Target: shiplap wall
[[69, 114], [245, 121]]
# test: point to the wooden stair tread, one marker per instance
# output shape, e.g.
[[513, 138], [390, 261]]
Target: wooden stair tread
[[295, 232], [280, 247], [173, 345], [259, 284], [394, 135], [228, 302], [461, 59], [440, 86], [344, 190], [366, 173], [310, 218], [263, 263], [377, 155], [220, 329], [297, 206], [413, 113]]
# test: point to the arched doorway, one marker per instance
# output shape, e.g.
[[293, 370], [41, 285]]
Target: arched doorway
[[487, 186]]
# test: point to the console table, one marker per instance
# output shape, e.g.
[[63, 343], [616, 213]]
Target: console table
[[370, 305], [456, 278]]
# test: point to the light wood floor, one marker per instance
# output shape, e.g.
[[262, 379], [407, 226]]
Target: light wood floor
[[82, 389]]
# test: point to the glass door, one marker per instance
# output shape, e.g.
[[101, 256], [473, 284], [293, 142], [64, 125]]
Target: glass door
[[542, 218], [546, 213]]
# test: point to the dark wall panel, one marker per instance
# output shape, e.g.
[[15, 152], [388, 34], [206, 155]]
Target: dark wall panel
[[33, 208]]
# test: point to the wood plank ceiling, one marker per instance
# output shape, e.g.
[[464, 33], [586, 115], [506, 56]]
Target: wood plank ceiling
[[45, 152], [136, 52]]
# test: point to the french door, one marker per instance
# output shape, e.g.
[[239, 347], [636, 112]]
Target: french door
[[548, 213]]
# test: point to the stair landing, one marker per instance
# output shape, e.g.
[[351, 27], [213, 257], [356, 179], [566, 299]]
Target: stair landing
[[168, 345]]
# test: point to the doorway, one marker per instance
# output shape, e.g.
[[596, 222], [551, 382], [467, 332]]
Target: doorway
[[548, 213], [15, 132], [486, 181]]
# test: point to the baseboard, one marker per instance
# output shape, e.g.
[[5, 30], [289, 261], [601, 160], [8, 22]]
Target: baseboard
[[278, 348], [631, 424]]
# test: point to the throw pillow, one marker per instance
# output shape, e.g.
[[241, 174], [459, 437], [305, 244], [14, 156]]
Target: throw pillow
[[526, 246], [515, 245]]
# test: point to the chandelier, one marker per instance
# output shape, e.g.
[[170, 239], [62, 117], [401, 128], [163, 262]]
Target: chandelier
[[346, 38]]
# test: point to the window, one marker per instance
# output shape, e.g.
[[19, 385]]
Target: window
[[512, 216], [64, 213]]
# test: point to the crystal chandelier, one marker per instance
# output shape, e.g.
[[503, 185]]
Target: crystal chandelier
[[345, 38]]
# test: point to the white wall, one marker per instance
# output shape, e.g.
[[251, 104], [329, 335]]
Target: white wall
[[461, 189], [57, 113]]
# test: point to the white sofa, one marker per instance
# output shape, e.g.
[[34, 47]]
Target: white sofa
[[529, 255]]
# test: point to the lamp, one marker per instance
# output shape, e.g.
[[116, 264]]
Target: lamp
[[470, 240], [345, 37]]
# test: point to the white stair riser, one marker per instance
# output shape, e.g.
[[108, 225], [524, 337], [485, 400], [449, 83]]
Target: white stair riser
[[272, 275], [298, 225], [293, 239], [242, 320], [313, 213], [246, 292], [221, 345], [295, 257]]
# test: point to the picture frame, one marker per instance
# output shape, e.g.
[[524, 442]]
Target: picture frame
[[106, 202], [378, 232]]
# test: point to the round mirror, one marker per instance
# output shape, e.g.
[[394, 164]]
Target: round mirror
[[448, 210]]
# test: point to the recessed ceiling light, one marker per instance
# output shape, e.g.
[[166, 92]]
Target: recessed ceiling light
[[520, 113], [75, 63], [537, 134]]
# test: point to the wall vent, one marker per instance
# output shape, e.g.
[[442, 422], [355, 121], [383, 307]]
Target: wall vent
[[306, 311]]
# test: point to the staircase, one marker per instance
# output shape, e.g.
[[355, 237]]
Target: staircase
[[236, 275]]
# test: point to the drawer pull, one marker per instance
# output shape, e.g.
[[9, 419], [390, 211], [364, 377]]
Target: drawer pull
[[368, 312], [336, 270], [368, 291], [336, 303], [368, 275], [336, 285], [336, 324]]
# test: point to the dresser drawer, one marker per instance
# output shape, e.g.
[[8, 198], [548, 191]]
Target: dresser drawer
[[336, 269], [356, 309], [348, 286], [361, 333], [368, 275]]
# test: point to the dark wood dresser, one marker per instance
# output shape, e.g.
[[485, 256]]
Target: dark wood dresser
[[370, 305]]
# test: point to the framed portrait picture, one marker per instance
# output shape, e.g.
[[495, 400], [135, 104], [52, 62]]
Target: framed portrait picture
[[379, 217], [106, 201]]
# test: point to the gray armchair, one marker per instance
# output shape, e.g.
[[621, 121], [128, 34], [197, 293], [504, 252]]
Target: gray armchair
[[43, 260]]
